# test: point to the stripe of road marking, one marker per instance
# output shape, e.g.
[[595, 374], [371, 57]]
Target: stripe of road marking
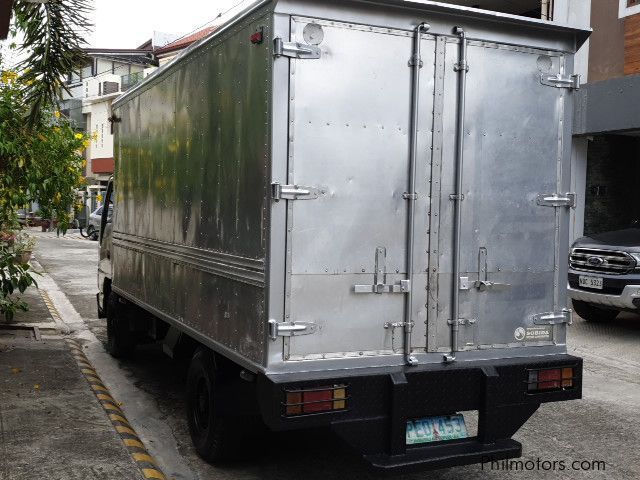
[[153, 473], [121, 429], [134, 445], [118, 418], [130, 442], [111, 406], [143, 457]]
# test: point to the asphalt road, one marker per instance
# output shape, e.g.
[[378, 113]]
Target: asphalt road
[[602, 427]]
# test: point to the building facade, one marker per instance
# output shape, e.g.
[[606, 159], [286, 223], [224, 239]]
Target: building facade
[[107, 74], [607, 118]]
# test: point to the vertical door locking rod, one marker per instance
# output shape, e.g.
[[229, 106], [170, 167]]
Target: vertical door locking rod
[[410, 196], [462, 67]]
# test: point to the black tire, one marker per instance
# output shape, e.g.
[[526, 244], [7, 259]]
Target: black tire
[[121, 341], [217, 438], [591, 313]]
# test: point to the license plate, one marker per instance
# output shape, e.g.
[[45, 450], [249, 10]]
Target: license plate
[[590, 282], [436, 429]]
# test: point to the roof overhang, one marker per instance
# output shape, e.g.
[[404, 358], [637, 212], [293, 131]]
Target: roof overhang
[[608, 107]]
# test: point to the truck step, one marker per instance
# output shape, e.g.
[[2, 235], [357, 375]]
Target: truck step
[[445, 455]]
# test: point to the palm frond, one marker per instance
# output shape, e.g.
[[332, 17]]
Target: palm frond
[[53, 39]]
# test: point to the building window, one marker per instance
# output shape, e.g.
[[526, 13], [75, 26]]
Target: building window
[[632, 3]]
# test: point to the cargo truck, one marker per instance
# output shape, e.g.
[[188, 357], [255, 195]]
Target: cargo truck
[[352, 214]]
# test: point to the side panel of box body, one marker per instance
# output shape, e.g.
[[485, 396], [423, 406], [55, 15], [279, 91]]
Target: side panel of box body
[[191, 224]]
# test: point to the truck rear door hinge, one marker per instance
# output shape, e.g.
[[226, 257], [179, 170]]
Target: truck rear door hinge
[[290, 329], [571, 82], [557, 200], [293, 192], [295, 50], [553, 318]]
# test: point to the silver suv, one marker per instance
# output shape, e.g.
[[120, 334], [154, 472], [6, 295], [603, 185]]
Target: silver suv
[[604, 274]]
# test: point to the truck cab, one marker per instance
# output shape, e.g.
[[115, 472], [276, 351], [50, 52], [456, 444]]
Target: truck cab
[[105, 267]]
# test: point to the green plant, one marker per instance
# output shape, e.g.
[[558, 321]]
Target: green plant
[[23, 243], [15, 278], [39, 163], [39, 157]]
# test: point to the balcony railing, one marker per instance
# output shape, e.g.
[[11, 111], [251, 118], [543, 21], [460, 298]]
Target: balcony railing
[[131, 80]]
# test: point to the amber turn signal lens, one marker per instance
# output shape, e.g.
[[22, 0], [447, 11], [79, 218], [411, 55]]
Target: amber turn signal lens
[[294, 403]]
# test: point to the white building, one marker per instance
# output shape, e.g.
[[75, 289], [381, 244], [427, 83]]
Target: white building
[[108, 73]]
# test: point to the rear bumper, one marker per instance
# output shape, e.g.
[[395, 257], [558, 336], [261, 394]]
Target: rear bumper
[[381, 400]]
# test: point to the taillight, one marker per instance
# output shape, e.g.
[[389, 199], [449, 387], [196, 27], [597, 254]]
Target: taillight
[[306, 401], [550, 379]]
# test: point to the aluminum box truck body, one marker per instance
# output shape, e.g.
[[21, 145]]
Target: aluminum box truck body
[[359, 209]]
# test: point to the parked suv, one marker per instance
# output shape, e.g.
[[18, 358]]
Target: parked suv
[[604, 274]]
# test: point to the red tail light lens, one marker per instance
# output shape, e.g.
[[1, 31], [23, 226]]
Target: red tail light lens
[[315, 400], [550, 379]]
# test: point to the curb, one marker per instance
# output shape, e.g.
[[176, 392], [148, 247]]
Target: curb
[[62, 327], [132, 442]]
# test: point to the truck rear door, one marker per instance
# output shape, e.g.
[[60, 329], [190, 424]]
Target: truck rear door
[[349, 129], [511, 229]]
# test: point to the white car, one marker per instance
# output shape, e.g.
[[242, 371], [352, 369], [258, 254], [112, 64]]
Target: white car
[[93, 227]]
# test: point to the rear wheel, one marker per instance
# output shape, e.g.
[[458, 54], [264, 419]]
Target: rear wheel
[[121, 340], [217, 437], [591, 313]]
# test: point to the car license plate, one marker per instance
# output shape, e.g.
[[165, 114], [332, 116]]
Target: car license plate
[[590, 282], [436, 429]]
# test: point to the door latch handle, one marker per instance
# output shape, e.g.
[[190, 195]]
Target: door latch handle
[[485, 286]]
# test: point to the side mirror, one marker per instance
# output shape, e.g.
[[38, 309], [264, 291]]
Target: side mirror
[[107, 210]]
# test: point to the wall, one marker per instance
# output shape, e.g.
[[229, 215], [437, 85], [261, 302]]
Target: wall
[[606, 55], [102, 146], [578, 13], [632, 45], [613, 172]]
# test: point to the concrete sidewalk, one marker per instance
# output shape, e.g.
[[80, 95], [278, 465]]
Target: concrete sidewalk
[[51, 424]]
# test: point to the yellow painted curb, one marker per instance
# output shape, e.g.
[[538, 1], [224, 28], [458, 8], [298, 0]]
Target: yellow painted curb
[[128, 435]]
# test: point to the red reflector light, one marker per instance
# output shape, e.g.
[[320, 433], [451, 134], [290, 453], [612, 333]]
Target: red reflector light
[[257, 37], [549, 379], [315, 400]]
